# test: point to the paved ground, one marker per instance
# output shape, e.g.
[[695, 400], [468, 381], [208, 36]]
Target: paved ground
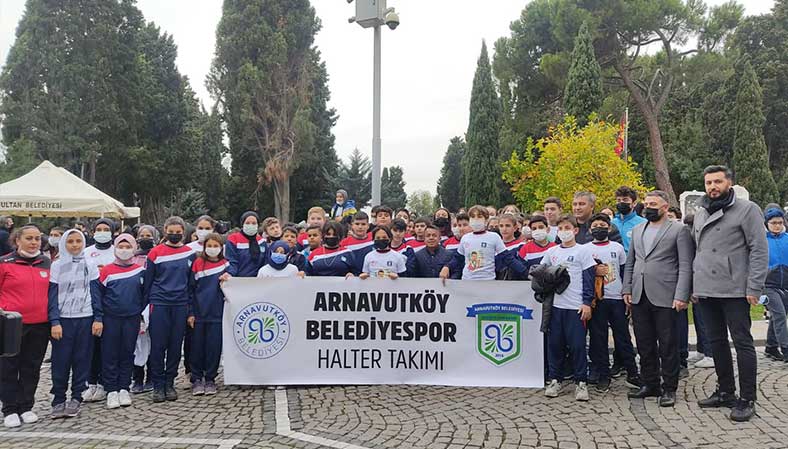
[[414, 417]]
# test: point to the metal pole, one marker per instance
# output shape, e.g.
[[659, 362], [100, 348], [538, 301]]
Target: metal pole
[[376, 122]]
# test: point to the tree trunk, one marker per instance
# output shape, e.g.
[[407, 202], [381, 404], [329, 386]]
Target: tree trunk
[[282, 199], [661, 172]]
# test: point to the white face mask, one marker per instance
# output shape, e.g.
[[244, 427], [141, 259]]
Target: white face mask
[[250, 229], [201, 234], [526, 233], [539, 234], [102, 236], [54, 241], [478, 224], [29, 255], [455, 231], [566, 236], [213, 251], [124, 254]]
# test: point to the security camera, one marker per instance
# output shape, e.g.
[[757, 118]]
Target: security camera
[[392, 19]]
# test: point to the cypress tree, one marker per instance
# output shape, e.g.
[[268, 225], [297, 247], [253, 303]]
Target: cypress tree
[[583, 94], [481, 162], [450, 192], [750, 156], [392, 187]]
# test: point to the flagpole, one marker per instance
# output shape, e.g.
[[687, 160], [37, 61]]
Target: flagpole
[[626, 134]]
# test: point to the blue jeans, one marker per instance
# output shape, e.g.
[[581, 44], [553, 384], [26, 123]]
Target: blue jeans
[[777, 334], [567, 330], [703, 346], [71, 356]]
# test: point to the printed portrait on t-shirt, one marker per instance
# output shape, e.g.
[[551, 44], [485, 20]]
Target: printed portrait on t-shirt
[[475, 260]]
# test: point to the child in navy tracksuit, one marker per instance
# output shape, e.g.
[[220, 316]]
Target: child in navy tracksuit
[[205, 317], [71, 316], [246, 250], [167, 275], [331, 259], [117, 305]]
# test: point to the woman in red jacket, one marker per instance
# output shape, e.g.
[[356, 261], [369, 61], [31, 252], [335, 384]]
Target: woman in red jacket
[[24, 283]]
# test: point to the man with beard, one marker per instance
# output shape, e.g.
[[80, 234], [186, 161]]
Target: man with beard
[[730, 270]]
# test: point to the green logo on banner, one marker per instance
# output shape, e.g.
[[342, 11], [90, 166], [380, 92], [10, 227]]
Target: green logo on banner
[[499, 330]]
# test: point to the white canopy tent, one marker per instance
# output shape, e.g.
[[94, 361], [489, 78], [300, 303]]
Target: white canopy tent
[[51, 191]]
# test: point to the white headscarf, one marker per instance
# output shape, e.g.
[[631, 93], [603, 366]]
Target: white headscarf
[[73, 274]]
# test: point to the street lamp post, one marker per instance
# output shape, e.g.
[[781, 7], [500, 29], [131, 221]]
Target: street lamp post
[[373, 14]]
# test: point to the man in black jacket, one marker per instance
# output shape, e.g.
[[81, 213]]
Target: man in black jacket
[[431, 258]]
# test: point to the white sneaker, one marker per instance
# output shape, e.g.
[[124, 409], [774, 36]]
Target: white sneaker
[[124, 399], [87, 395], [552, 389], [705, 362], [695, 356], [29, 417], [112, 400], [100, 394], [12, 421], [581, 392]]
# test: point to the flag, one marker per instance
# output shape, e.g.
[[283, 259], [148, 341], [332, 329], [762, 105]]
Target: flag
[[621, 135]]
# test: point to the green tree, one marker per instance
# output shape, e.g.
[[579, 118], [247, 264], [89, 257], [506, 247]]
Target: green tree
[[421, 203], [750, 157], [263, 73], [312, 183], [450, 188], [571, 159], [481, 160], [583, 94], [392, 187], [356, 178]]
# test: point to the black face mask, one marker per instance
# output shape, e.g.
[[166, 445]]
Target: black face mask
[[517, 234], [651, 214], [600, 234], [441, 222], [382, 244], [331, 241], [174, 238], [624, 208], [145, 244]]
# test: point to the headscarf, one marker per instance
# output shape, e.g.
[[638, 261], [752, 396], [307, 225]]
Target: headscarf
[[73, 275], [112, 227], [125, 238], [274, 247], [254, 247], [154, 232]]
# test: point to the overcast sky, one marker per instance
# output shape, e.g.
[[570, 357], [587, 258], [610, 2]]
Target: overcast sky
[[428, 67]]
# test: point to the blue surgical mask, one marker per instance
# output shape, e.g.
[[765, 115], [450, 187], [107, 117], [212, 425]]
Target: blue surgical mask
[[278, 258]]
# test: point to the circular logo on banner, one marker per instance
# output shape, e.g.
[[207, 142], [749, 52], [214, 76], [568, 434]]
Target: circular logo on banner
[[261, 330]]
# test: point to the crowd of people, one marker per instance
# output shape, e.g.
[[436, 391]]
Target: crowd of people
[[121, 306]]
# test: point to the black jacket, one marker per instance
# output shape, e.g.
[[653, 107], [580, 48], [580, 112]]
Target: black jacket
[[546, 281]]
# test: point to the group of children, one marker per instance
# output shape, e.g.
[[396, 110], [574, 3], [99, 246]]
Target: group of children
[[125, 306]]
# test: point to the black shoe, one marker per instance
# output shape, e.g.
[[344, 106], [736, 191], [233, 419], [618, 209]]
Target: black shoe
[[593, 379], [668, 399], [774, 354], [602, 385], [743, 411], [644, 392], [616, 371], [718, 399], [634, 381], [683, 372], [159, 395], [170, 394]]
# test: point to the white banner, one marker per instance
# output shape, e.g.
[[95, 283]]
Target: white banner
[[334, 331]]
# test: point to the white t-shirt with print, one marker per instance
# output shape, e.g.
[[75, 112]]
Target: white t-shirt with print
[[479, 251], [378, 264], [576, 259], [100, 257], [611, 254], [267, 271]]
